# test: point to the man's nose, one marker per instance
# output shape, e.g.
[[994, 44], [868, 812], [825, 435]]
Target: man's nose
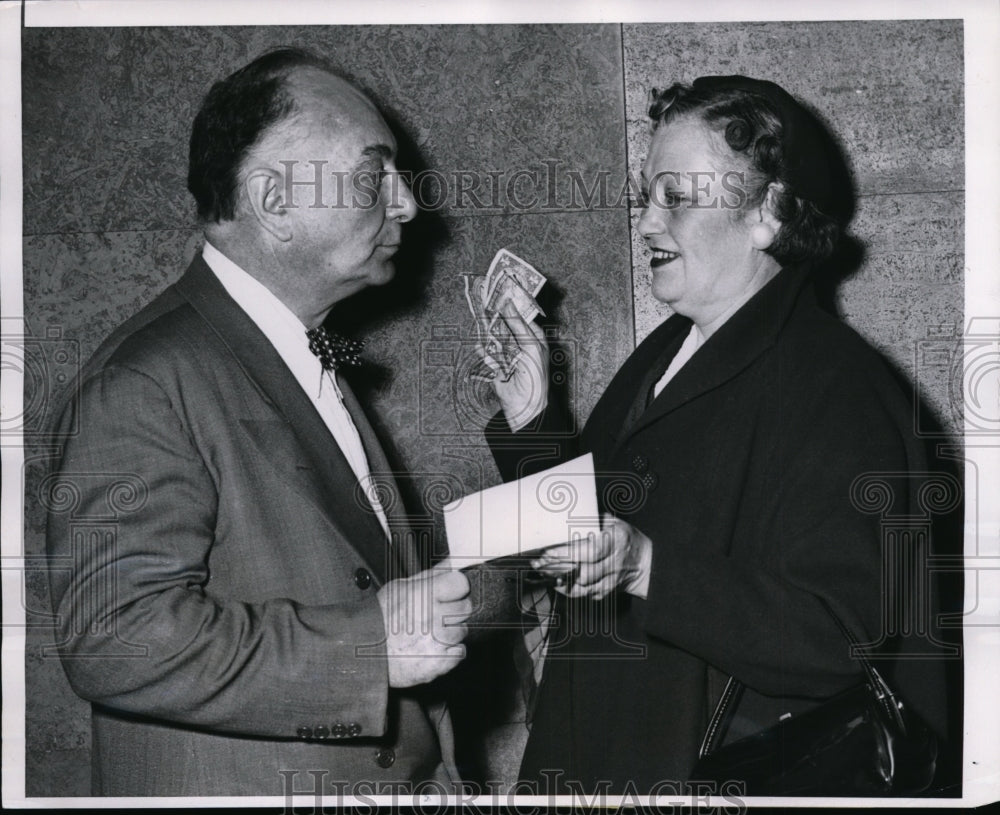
[[402, 206]]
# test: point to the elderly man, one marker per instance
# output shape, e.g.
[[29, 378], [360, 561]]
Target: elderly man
[[252, 627]]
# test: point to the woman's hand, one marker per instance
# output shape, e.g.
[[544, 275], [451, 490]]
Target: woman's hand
[[619, 556], [523, 394]]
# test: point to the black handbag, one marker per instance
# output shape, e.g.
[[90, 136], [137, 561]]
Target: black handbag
[[862, 742]]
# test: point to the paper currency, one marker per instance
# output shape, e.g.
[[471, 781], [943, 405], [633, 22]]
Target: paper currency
[[509, 289], [526, 275], [512, 280]]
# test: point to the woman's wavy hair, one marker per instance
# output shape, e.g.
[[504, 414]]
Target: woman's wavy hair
[[753, 131]]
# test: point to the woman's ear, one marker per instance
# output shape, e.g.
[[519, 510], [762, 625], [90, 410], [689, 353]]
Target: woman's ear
[[763, 232]]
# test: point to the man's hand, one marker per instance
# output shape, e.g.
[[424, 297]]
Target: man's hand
[[617, 556], [525, 393], [425, 624]]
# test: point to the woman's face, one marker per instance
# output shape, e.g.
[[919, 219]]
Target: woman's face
[[702, 261]]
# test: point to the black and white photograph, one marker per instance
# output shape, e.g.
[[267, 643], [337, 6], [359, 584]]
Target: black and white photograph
[[479, 406]]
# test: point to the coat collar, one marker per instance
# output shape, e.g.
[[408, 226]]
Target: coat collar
[[316, 465], [733, 347]]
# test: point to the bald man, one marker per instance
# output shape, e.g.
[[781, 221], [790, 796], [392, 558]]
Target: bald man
[[254, 621]]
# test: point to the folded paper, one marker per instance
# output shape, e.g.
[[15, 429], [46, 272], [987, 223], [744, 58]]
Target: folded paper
[[540, 510]]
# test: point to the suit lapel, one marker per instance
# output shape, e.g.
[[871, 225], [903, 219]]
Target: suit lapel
[[744, 337], [313, 461], [404, 547]]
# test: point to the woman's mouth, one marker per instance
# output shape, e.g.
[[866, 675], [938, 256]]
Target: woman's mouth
[[661, 257]]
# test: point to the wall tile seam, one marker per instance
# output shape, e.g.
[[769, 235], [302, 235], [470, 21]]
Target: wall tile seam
[[891, 193], [144, 231]]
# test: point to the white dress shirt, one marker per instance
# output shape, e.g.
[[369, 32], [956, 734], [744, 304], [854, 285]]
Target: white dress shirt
[[288, 336]]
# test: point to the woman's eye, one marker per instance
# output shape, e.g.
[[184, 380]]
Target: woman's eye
[[642, 198]]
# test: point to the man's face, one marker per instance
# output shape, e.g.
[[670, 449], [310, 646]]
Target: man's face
[[341, 141]]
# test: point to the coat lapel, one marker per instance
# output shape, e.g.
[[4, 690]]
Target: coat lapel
[[744, 337], [296, 441], [623, 402]]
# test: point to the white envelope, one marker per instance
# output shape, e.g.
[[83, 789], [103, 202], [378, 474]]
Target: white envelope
[[540, 510]]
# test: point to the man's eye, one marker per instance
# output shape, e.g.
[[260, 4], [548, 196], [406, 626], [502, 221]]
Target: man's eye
[[371, 178]]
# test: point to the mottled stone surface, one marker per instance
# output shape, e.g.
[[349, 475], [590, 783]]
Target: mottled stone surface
[[891, 92], [542, 110], [107, 112], [910, 287], [84, 284], [498, 118]]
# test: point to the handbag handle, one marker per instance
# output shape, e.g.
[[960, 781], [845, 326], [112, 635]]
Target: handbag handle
[[733, 691]]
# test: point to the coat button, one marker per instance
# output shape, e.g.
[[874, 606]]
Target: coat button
[[304, 733], [362, 579], [339, 730], [649, 481], [321, 732], [385, 757], [354, 729], [639, 463]]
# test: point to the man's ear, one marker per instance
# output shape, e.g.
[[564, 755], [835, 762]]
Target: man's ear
[[767, 225], [264, 187]]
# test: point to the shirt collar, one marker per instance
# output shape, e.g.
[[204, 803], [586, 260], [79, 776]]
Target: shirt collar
[[276, 321]]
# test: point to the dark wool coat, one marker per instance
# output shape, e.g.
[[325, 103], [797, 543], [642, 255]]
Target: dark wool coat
[[758, 474]]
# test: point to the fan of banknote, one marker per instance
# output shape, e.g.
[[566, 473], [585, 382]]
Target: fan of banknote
[[509, 279]]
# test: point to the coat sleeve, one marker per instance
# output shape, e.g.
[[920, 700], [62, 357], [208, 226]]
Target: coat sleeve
[[544, 442], [752, 607], [137, 630]]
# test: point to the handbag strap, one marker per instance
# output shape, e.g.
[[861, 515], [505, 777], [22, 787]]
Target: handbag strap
[[733, 691], [883, 693], [723, 713]]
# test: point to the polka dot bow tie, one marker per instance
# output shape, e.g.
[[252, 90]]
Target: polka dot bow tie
[[333, 350]]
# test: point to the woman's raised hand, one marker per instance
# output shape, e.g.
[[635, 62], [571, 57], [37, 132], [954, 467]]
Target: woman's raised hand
[[523, 389]]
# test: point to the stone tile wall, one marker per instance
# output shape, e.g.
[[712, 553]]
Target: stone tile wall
[[108, 222]]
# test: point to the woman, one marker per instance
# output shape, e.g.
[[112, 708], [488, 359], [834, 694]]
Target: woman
[[726, 449]]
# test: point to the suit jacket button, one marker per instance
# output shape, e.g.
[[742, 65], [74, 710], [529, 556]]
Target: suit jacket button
[[649, 481], [338, 731], [385, 757], [304, 733], [362, 579], [354, 729], [321, 732], [639, 463]]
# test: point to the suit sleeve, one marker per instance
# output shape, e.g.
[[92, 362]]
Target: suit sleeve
[[137, 630], [757, 614]]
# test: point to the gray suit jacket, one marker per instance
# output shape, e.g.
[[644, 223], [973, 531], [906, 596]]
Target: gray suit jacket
[[216, 568]]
